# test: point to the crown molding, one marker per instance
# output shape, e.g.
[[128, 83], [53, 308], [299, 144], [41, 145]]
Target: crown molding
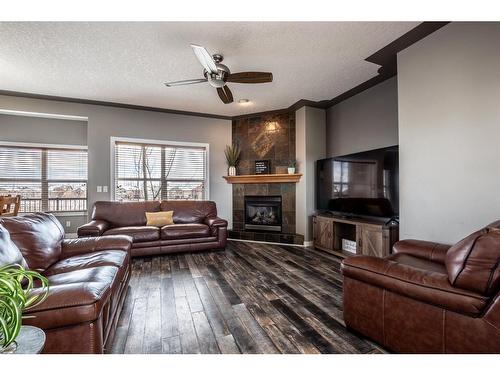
[[111, 104]]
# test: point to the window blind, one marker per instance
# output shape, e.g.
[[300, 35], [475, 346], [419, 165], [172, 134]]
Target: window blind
[[153, 172], [47, 179]]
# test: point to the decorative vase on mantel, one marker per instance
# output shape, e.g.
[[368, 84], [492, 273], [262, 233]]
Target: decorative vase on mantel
[[232, 154], [292, 166]]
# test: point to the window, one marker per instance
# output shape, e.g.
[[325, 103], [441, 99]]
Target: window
[[159, 172], [48, 179]]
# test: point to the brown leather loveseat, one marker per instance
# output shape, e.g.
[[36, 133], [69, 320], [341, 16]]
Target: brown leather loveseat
[[428, 297], [88, 281], [196, 226]]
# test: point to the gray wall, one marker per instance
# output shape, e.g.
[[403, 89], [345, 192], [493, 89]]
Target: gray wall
[[310, 146], [449, 132], [43, 130], [364, 122], [105, 122]]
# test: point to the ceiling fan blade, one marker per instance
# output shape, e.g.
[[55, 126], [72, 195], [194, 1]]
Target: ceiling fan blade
[[250, 77], [204, 58], [185, 82], [225, 94]]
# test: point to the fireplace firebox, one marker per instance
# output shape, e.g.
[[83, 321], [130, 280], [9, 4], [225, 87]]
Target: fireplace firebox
[[263, 213]]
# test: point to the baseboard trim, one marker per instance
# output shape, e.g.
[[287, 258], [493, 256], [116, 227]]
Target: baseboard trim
[[265, 242], [308, 243]]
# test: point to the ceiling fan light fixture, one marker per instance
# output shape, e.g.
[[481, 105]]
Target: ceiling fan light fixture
[[244, 101]]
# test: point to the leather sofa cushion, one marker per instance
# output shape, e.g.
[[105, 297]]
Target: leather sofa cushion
[[422, 283], [38, 236], [104, 274], [115, 258], [473, 262], [138, 234], [124, 214], [190, 211], [9, 252], [75, 297], [177, 231]]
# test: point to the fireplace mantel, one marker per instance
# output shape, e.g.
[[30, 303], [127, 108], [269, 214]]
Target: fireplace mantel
[[263, 178]]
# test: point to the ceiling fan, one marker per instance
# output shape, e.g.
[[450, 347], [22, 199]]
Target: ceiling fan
[[217, 74]]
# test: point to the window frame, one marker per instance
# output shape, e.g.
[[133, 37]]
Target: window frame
[[44, 181], [159, 143]]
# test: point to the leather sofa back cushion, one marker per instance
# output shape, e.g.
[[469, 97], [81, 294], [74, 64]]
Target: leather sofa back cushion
[[159, 219], [124, 214], [9, 252], [186, 212], [39, 237], [473, 262]]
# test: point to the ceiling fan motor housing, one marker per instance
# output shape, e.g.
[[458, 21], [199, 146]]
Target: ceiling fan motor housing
[[217, 80]]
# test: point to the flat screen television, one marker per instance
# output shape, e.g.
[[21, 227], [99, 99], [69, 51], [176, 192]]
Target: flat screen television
[[361, 184]]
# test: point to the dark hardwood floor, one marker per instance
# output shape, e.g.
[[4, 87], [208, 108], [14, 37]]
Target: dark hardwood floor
[[250, 298]]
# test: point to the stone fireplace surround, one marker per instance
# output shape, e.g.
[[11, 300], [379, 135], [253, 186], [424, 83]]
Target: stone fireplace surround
[[265, 137]]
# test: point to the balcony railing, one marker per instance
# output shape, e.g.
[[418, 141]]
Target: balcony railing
[[54, 205]]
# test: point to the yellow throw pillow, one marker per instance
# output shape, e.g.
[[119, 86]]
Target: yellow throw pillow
[[159, 219]]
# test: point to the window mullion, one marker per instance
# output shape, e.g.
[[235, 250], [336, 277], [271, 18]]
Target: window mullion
[[45, 183], [163, 182]]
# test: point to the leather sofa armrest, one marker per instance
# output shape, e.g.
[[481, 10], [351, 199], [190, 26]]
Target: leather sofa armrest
[[93, 229], [419, 284], [433, 251], [215, 223], [78, 246]]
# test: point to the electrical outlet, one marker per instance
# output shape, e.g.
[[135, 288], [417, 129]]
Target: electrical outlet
[[99, 189], [68, 224], [105, 189]]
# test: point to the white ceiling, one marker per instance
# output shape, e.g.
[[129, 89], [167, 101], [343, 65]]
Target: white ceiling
[[128, 62]]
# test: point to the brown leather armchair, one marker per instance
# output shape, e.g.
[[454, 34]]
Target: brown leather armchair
[[88, 281], [428, 297], [196, 226]]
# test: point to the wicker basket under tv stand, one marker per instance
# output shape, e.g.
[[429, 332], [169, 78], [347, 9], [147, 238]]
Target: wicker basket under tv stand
[[373, 236]]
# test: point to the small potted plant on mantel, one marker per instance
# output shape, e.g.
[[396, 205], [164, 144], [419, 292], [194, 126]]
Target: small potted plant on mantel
[[292, 164], [232, 157], [18, 294]]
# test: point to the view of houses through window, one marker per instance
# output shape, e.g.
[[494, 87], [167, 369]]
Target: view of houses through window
[[159, 171], [47, 179]]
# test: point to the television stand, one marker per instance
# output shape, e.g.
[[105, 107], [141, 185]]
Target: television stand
[[372, 236]]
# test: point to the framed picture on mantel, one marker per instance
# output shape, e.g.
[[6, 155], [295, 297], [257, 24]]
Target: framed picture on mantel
[[262, 166]]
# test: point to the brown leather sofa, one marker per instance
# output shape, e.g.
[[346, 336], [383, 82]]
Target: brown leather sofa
[[196, 226], [428, 297], [88, 281]]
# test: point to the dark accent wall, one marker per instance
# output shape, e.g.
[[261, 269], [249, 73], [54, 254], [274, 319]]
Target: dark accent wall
[[265, 137]]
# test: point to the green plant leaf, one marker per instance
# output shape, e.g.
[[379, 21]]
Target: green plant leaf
[[17, 294]]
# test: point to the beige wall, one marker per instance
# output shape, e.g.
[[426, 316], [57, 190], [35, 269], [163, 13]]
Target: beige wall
[[366, 121], [449, 132], [105, 122]]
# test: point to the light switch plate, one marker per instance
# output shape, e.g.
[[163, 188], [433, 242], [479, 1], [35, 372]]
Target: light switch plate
[[99, 189], [68, 224], [105, 189]]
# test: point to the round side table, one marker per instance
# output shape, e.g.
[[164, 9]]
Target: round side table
[[31, 340]]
